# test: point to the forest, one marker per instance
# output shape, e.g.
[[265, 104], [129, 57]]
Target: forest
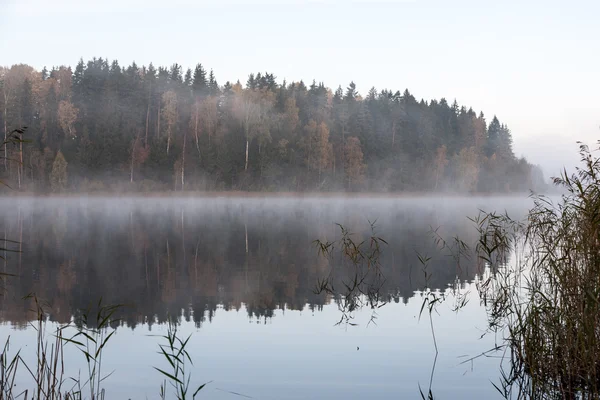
[[101, 127]]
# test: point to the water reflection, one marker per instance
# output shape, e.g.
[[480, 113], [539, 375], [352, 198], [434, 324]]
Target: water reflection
[[160, 256]]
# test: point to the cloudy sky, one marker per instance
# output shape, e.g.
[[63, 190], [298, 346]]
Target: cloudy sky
[[535, 64]]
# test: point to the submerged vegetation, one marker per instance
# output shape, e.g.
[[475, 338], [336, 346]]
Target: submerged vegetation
[[103, 127]]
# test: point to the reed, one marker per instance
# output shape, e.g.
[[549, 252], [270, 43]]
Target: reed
[[546, 303], [176, 375], [44, 377]]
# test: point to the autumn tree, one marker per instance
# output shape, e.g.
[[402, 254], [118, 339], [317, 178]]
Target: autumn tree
[[205, 119], [290, 116], [353, 161], [247, 112], [320, 151], [67, 116], [251, 109], [58, 176], [63, 78]]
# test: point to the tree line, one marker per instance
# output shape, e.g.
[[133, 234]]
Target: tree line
[[106, 127]]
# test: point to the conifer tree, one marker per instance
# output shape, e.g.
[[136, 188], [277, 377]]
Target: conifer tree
[[200, 84]]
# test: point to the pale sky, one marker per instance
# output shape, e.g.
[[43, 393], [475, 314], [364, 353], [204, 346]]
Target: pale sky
[[535, 64]]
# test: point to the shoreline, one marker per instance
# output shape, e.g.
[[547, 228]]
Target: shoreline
[[243, 194]]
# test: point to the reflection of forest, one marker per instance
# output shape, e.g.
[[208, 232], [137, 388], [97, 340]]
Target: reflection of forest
[[161, 256]]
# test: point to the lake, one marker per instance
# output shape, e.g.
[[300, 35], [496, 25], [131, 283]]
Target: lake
[[241, 275]]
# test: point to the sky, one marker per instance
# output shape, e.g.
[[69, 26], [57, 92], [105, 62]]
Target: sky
[[532, 63]]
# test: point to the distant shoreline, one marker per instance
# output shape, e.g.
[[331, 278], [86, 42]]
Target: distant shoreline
[[243, 194]]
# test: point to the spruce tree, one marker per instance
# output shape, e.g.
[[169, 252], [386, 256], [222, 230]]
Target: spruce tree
[[199, 85], [504, 143], [339, 95], [351, 92], [187, 81], [175, 74], [493, 137], [213, 86], [251, 82]]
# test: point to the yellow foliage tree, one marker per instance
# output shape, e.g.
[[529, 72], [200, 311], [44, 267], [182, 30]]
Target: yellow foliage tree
[[67, 115], [58, 176], [353, 160], [320, 150]]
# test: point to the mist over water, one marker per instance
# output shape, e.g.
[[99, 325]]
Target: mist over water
[[242, 273]]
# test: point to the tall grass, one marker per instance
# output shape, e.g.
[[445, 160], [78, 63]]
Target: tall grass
[[547, 302], [47, 372], [176, 374], [44, 376]]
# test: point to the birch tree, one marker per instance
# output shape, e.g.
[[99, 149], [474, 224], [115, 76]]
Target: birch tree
[[67, 116], [169, 114]]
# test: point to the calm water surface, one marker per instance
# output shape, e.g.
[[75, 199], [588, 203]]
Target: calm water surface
[[241, 273]]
